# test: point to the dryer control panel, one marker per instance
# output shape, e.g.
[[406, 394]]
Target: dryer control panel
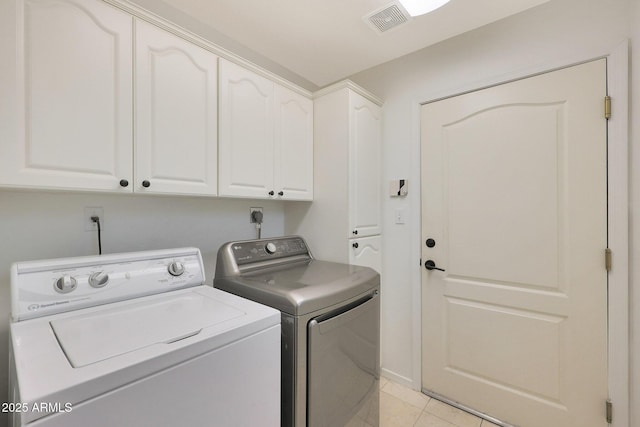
[[235, 258], [260, 250], [40, 288]]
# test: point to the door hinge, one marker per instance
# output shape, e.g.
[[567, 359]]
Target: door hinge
[[607, 259], [607, 107], [609, 411]]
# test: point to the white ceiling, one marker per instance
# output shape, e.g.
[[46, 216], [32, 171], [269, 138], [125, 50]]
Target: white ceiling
[[327, 40]]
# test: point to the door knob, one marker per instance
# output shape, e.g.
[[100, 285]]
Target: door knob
[[124, 183], [430, 243], [431, 265], [146, 184]]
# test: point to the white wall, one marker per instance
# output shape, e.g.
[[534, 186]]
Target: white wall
[[557, 33], [40, 225], [198, 27]]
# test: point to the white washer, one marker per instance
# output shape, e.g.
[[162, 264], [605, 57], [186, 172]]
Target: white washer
[[137, 339]]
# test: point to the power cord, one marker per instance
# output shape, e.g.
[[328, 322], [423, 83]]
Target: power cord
[[96, 219]]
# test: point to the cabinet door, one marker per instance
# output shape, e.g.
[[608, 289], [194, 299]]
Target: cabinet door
[[364, 167], [176, 114], [246, 133], [366, 251], [293, 166], [70, 121]]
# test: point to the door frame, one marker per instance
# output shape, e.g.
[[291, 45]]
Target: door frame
[[617, 218]]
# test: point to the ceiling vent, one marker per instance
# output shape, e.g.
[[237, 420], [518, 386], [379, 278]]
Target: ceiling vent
[[387, 17]]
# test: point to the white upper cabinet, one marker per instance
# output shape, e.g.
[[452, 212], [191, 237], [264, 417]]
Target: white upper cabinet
[[293, 149], [266, 137], [246, 132], [95, 99], [364, 167], [70, 93], [176, 114]]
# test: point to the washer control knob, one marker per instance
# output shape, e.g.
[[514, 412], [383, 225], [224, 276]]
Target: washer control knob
[[270, 248], [98, 279], [65, 284], [176, 268]]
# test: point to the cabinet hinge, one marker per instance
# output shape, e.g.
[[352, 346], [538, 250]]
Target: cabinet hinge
[[607, 107], [609, 411], [607, 259]]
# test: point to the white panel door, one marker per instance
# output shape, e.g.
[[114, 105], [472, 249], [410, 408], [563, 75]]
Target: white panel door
[[514, 196], [246, 133], [364, 167], [293, 150], [366, 251], [176, 114], [74, 97]]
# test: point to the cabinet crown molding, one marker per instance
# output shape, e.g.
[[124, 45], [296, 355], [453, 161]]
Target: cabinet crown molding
[[350, 85], [165, 24]]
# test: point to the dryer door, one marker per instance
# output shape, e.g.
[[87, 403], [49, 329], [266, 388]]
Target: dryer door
[[344, 365]]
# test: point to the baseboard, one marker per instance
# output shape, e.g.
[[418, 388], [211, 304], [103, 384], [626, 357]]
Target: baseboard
[[399, 379]]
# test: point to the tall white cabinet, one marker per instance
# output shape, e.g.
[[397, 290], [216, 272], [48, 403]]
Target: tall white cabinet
[[68, 116], [343, 224], [266, 137]]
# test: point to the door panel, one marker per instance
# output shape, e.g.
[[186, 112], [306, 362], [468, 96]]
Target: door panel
[[523, 337], [74, 107], [293, 168], [176, 114], [246, 132], [517, 202], [364, 167], [367, 252], [514, 193]]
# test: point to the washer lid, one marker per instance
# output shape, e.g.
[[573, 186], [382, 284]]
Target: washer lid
[[94, 337]]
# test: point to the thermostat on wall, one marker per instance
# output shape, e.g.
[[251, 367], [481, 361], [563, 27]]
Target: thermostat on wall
[[398, 187]]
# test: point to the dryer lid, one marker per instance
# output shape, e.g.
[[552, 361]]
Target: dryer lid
[[97, 336], [302, 288]]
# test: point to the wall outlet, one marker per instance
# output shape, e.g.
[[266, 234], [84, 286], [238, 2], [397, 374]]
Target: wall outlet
[[89, 225], [252, 219]]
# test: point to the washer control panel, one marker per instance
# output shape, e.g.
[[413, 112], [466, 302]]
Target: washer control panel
[[263, 250], [40, 288]]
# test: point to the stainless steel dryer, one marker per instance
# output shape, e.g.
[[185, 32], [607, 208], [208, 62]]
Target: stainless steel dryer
[[330, 327]]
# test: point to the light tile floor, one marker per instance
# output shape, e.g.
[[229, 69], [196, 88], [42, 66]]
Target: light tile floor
[[403, 407]]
